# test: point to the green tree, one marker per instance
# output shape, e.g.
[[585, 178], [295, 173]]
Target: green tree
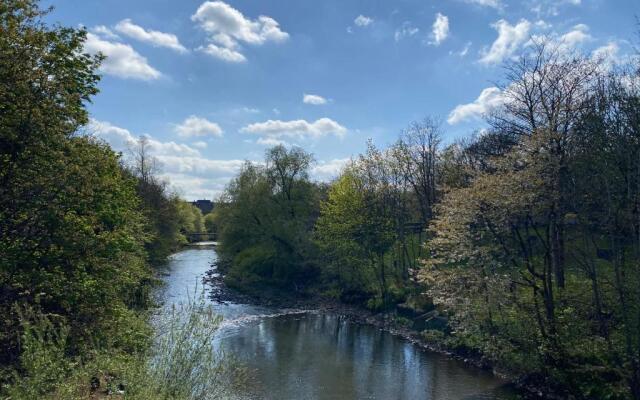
[[71, 233], [534, 248], [160, 206], [264, 221]]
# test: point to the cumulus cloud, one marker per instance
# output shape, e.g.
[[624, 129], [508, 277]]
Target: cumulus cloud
[[271, 141], [296, 129], [122, 60], [405, 30], [198, 166], [197, 126], [223, 53], [228, 28], [576, 36], [510, 37], [105, 32], [197, 187], [489, 99], [608, 55], [198, 177], [440, 29], [155, 38], [362, 21], [123, 140], [327, 170], [186, 169], [565, 43], [313, 99]]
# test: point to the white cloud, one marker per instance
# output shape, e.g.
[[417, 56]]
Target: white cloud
[[155, 38], [489, 99], [296, 129], [607, 55], [123, 140], [405, 30], [510, 37], [576, 36], [105, 32], [566, 43], [486, 3], [551, 7], [200, 144], [327, 170], [463, 52], [228, 28], [313, 99], [271, 141], [222, 53], [197, 187], [440, 29], [186, 169], [198, 165], [122, 60], [198, 177], [361, 20], [119, 138], [196, 126]]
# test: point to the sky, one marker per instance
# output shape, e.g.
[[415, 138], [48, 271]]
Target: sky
[[215, 83]]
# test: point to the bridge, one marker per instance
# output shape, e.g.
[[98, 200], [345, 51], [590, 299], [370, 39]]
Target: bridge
[[200, 236]]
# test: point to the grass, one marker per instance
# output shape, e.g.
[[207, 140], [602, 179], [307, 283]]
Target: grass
[[182, 362]]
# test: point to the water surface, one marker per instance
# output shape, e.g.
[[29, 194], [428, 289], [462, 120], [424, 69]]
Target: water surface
[[292, 354]]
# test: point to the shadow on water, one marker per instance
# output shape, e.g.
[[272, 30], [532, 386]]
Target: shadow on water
[[293, 354]]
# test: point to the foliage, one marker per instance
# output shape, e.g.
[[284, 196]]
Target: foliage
[[190, 218], [534, 248], [77, 227], [71, 234], [209, 222], [264, 221], [183, 363], [370, 247], [160, 206]]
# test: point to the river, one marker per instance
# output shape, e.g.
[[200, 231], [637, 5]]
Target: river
[[308, 355]]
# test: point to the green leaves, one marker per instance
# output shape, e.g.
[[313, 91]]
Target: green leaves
[[71, 231], [264, 221]]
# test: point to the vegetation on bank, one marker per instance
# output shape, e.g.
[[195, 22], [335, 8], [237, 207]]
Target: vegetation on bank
[[519, 244], [81, 232]]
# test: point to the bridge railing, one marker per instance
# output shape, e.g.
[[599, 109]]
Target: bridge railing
[[196, 236]]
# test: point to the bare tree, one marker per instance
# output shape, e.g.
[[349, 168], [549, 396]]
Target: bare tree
[[145, 165], [417, 151]]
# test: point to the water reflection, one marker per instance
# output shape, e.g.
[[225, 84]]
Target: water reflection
[[294, 355]]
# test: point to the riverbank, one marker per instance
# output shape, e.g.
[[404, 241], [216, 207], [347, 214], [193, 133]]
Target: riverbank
[[528, 388]]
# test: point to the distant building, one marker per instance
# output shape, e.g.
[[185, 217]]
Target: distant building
[[206, 206]]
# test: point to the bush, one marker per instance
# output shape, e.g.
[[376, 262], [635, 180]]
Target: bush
[[183, 363]]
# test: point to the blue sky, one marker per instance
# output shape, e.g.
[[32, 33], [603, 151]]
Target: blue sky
[[214, 83]]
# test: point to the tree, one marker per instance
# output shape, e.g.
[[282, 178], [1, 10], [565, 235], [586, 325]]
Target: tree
[[547, 93], [417, 153], [264, 221], [160, 206], [71, 231], [534, 248]]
